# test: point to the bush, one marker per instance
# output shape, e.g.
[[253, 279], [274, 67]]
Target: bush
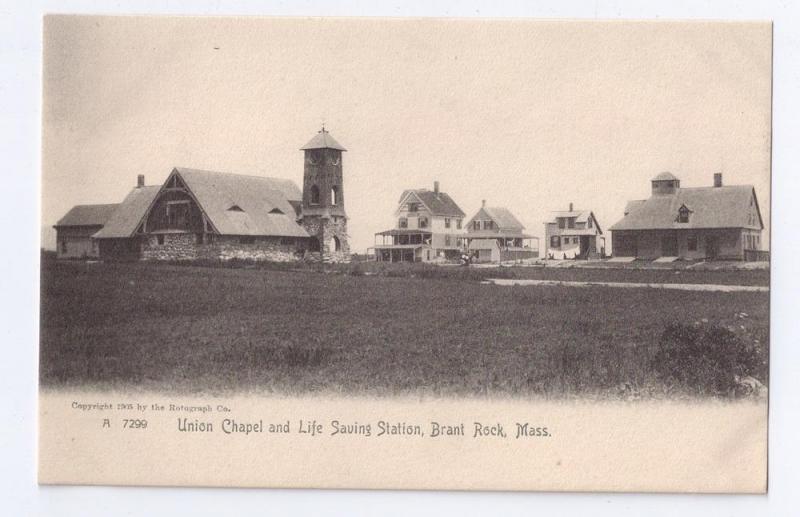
[[706, 360]]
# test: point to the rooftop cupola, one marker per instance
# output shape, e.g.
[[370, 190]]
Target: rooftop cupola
[[665, 184]]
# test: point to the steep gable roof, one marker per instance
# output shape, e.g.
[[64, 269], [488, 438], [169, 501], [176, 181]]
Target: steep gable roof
[[87, 215], [256, 196], [503, 218], [712, 207], [126, 218], [439, 203], [581, 216]]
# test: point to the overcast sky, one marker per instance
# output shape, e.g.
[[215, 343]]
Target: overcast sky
[[527, 115]]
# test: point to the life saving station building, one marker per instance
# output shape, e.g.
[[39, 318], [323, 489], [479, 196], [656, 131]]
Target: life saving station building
[[717, 222], [197, 214]]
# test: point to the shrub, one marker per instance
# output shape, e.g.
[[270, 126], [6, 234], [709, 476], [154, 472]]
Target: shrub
[[706, 359]]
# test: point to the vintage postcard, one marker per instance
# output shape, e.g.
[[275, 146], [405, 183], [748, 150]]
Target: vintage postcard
[[405, 253]]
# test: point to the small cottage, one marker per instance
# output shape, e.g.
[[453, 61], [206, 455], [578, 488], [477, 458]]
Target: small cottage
[[74, 231], [494, 234], [574, 234]]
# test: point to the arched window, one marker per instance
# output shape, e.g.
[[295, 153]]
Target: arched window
[[337, 244], [334, 195], [314, 195]]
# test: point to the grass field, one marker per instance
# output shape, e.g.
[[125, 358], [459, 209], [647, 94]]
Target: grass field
[[405, 330]]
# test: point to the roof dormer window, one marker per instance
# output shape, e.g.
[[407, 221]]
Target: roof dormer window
[[235, 208], [276, 211], [683, 214]]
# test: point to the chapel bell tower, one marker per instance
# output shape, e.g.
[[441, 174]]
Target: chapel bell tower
[[323, 214]]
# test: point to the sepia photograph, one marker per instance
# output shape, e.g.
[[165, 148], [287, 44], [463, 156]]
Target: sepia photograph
[[457, 235]]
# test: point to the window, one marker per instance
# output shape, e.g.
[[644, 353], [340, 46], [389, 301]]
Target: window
[[287, 241], [423, 222], [589, 222], [334, 195], [458, 223], [64, 246], [199, 239], [235, 208], [555, 242], [247, 239], [276, 211], [476, 225], [488, 225], [447, 240], [160, 239], [571, 222], [314, 195], [562, 223], [178, 214], [683, 214], [413, 207], [402, 223], [691, 243], [447, 222]]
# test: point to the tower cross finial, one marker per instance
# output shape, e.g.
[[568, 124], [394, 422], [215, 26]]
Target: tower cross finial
[[323, 127]]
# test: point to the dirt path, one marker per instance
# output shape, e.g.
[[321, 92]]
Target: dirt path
[[680, 287]]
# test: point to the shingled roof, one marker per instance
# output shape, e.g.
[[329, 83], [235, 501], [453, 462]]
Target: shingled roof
[[439, 203], [503, 218], [264, 204], [323, 140], [581, 216], [123, 223], [87, 215], [711, 207]]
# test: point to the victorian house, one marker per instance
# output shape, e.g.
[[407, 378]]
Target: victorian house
[[429, 227], [494, 234], [717, 222], [573, 234]]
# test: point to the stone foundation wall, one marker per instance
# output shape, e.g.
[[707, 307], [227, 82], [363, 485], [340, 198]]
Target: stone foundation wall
[[176, 246], [186, 246]]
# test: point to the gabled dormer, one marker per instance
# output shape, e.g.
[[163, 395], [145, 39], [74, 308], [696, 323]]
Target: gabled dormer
[[684, 214]]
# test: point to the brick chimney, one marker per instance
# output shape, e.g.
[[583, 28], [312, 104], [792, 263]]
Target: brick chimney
[[436, 187], [717, 179], [483, 203], [570, 207], [140, 181]]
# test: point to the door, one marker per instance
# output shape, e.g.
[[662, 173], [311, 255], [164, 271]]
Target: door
[[712, 247], [584, 251], [669, 244]]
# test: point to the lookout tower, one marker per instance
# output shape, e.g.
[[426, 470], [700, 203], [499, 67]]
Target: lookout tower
[[323, 215]]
